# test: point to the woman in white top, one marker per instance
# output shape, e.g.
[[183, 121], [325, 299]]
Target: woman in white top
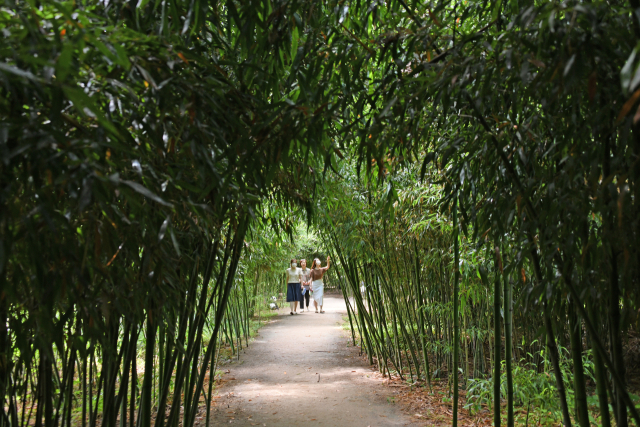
[[317, 285], [293, 286], [305, 281]]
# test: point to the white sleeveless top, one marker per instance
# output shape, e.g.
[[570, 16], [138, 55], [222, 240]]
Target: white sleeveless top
[[293, 275]]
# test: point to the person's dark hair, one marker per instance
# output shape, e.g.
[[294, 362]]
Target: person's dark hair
[[313, 264], [292, 261]]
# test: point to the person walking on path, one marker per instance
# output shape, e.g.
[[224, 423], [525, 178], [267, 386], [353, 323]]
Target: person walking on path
[[305, 282], [317, 285], [293, 286]]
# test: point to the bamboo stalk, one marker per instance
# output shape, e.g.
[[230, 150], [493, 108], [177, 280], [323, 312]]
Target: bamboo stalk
[[580, 388], [456, 320], [601, 380], [508, 340]]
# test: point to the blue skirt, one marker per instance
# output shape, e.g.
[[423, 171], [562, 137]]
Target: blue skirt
[[293, 292]]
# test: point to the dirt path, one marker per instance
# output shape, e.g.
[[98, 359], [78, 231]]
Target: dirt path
[[303, 369]]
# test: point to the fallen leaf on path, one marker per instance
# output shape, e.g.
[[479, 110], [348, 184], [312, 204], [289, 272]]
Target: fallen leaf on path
[[274, 413]]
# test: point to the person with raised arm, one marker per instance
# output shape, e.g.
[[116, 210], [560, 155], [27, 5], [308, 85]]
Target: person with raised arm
[[317, 285]]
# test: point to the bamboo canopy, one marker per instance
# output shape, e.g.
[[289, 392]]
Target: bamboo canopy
[[472, 167]]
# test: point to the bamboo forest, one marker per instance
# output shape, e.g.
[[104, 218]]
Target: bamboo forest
[[468, 171]]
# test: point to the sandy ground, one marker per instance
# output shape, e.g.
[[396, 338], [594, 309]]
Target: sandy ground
[[303, 369]]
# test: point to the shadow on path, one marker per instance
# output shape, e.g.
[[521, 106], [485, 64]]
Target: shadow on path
[[304, 369]]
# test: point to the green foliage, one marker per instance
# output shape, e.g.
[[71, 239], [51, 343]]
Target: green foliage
[[531, 387], [534, 390], [160, 159], [138, 144], [523, 113]]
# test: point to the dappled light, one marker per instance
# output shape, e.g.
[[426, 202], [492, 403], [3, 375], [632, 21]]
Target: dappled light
[[466, 172]]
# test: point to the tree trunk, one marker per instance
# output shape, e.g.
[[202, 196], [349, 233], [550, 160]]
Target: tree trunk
[[147, 386], [456, 321], [579, 384], [497, 345], [555, 361], [508, 344], [616, 344], [601, 379]]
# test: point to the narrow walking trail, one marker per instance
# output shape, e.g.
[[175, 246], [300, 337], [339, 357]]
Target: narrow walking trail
[[303, 369]]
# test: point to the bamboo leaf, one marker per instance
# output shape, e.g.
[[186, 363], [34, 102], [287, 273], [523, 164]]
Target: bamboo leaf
[[146, 192]]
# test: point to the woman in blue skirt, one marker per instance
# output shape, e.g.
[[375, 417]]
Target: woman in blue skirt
[[293, 286]]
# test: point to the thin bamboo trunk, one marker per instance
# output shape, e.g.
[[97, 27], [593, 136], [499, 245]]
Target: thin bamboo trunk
[[616, 345], [497, 334], [69, 399], [600, 374], [145, 400], [579, 383], [84, 392], [456, 320], [620, 409], [466, 350], [134, 386], [555, 361], [508, 343], [91, 375]]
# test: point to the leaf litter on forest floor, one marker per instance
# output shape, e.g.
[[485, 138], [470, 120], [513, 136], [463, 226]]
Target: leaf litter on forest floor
[[428, 407]]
